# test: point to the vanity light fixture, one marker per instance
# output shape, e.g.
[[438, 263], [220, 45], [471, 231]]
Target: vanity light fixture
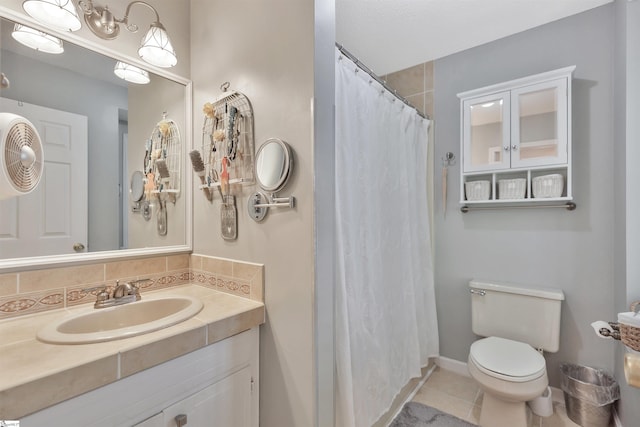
[[131, 73], [59, 14], [37, 40], [155, 48]]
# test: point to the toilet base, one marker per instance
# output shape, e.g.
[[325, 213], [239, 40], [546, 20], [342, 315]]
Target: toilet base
[[504, 403], [499, 413]]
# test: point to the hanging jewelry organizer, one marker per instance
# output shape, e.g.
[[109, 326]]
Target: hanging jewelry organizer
[[163, 161], [227, 142], [163, 166]]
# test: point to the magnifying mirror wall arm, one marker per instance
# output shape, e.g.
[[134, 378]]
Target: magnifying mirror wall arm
[[277, 202], [259, 204], [274, 163]]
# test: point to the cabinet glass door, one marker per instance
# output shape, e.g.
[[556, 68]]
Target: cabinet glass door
[[486, 132], [539, 124]]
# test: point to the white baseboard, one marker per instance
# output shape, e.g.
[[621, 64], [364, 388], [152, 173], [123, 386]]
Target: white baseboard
[[460, 368], [453, 365]]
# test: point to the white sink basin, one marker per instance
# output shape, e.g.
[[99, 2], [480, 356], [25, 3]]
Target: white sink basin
[[123, 321]]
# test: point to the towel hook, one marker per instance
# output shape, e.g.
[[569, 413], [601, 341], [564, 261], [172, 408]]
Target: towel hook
[[448, 158]]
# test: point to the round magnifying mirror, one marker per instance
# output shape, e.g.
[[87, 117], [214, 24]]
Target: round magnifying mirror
[[137, 186], [273, 164]]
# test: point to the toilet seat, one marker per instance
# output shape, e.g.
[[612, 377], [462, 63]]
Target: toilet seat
[[508, 360]]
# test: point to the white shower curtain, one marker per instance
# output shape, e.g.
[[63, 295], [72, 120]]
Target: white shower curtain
[[386, 327]]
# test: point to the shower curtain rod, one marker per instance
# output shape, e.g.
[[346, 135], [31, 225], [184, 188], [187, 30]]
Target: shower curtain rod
[[373, 75]]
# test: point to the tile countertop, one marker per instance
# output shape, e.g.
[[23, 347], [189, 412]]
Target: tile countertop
[[35, 375]]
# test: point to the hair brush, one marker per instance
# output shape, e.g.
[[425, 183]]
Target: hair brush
[[163, 170], [198, 168]]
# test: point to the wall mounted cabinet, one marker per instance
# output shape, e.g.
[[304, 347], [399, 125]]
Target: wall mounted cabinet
[[513, 133]]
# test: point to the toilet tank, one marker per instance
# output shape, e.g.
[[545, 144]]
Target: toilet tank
[[526, 314]]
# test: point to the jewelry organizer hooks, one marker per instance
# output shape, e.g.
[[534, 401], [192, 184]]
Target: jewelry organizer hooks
[[228, 142]]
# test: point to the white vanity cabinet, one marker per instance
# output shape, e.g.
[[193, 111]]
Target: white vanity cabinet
[[214, 386], [225, 403], [516, 131]]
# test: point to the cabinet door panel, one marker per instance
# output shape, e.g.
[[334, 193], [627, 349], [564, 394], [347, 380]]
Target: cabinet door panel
[[539, 124], [486, 132], [223, 404]]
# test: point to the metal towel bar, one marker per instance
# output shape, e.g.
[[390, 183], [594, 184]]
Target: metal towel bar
[[466, 208]]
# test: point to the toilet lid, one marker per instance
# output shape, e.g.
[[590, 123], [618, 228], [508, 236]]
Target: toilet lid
[[508, 358]]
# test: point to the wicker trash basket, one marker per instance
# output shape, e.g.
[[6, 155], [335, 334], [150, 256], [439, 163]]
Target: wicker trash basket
[[589, 394]]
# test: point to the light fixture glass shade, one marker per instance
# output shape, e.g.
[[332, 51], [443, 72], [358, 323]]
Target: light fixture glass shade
[[131, 73], [37, 40], [60, 14], [156, 48]]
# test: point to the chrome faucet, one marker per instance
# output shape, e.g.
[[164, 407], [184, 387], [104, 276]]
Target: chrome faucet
[[122, 294]]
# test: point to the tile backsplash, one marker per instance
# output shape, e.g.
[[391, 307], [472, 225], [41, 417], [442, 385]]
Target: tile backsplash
[[33, 291], [235, 277]]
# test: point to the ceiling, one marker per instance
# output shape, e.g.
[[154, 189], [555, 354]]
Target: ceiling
[[390, 35]]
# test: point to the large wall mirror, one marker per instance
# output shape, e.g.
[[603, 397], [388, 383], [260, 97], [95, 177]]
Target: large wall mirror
[[76, 101]]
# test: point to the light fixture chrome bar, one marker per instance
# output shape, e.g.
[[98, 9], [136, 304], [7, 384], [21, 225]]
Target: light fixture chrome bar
[[570, 206], [155, 47], [104, 24], [125, 19], [373, 75]]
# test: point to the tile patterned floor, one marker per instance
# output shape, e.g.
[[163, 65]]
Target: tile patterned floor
[[460, 396]]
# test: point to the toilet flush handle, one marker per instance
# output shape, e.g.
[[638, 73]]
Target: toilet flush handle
[[480, 292]]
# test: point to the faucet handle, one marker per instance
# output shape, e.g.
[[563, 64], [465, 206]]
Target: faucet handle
[[101, 296], [135, 284]]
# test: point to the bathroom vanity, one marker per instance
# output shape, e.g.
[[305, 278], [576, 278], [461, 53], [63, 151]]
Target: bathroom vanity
[[204, 367]]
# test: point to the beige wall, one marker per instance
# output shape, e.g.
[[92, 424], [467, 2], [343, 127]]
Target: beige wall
[[265, 50]]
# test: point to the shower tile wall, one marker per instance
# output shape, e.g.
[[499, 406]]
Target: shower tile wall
[[415, 84]]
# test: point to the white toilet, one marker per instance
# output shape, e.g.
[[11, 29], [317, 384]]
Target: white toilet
[[508, 365]]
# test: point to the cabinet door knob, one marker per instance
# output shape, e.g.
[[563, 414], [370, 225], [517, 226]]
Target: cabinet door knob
[[181, 420], [506, 148], [514, 147]]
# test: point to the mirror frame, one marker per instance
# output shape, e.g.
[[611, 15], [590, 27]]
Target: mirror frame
[[51, 261], [288, 158]]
